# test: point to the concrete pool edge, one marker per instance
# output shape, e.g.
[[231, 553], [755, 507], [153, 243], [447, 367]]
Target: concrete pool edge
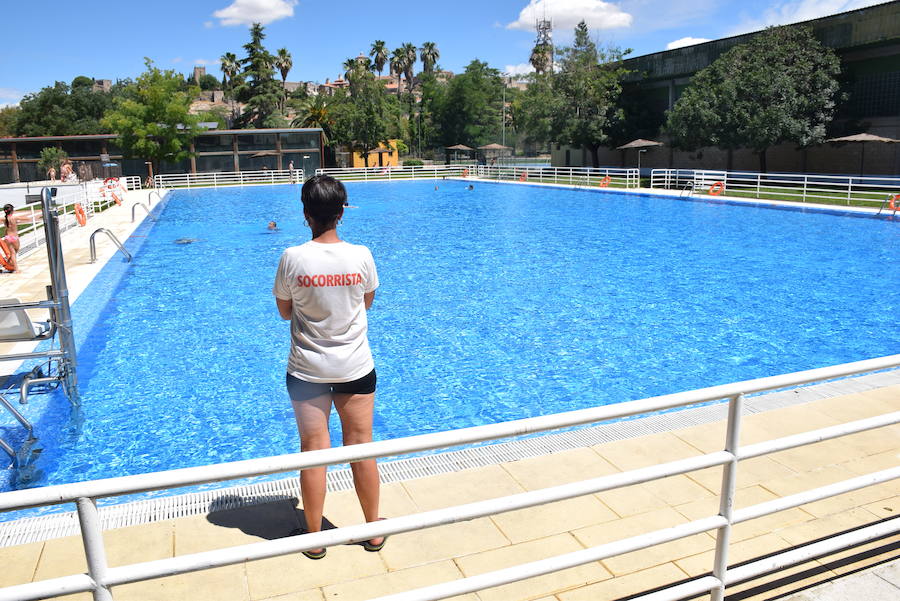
[[57, 525]]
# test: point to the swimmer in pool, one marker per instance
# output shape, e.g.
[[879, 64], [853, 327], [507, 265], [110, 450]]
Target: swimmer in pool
[[272, 226]]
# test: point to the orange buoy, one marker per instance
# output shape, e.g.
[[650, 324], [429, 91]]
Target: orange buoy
[[5, 255], [605, 181], [465, 173], [717, 188], [895, 203], [523, 177], [80, 216]]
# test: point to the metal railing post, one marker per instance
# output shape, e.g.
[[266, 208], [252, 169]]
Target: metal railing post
[[94, 551], [726, 495]]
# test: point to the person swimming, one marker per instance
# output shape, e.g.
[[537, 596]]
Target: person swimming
[[272, 226]]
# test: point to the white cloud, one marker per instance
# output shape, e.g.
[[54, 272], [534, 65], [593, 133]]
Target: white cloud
[[246, 12], [520, 69], [782, 12], [204, 62], [208, 24], [566, 14], [10, 96], [688, 41], [177, 59]]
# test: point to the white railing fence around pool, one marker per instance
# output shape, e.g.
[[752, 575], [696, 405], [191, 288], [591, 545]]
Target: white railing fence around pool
[[101, 578], [797, 187], [604, 177], [88, 195], [228, 178], [362, 174], [570, 176]]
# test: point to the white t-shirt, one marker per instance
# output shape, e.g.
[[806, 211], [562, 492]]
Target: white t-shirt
[[326, 283]]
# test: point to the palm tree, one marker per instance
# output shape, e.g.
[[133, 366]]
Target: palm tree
[[349, 66], [409, 50], [398, 65], [379, 54], [315, 112], [541, 58], [283, 62], [230, 67], [429, 55]]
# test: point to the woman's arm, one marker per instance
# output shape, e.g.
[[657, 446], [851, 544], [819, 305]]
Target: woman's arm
[[285, 308], [368, 297]]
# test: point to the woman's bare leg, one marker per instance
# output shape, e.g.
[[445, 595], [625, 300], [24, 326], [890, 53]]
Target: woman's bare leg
[[312, 423], [355, 411]]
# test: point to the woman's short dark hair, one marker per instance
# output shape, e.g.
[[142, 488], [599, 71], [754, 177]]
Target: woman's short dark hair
[[323, 198]]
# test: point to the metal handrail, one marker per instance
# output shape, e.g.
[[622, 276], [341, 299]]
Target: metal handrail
[[145, 207], [101, 577], [150, 196], [886, 201], [112, 237]]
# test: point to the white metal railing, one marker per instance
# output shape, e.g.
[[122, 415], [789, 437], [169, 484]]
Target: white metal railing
[[797, 187], [228, 178], [392, 173], [603, 177], [87, 194], [573, 176], [100, 577]]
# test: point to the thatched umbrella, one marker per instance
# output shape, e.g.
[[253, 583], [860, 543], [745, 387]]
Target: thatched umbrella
[[862, 139], [641, 146]]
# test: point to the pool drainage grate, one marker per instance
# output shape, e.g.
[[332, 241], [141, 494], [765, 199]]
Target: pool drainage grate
[[34, 529]]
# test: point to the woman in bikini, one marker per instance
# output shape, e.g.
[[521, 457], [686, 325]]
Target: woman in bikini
[[12, 236]]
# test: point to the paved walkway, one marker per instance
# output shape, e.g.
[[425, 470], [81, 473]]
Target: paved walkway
[[450, 552]]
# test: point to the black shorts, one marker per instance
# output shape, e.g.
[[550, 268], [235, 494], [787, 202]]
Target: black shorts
[[301, 390]]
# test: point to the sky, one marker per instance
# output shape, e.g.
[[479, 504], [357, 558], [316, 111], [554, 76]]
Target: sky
[[52, 41]]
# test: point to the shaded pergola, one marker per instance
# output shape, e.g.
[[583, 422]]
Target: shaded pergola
[[494, 150], [641, 145], [456, 148], [862, 139]]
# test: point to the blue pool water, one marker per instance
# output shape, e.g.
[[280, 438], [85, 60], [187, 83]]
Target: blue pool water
[[495, 304]]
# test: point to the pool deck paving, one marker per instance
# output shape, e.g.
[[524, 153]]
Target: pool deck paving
[[450, 552]]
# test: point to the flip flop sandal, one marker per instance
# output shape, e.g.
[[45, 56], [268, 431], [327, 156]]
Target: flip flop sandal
[[368, 546], [311, 554]]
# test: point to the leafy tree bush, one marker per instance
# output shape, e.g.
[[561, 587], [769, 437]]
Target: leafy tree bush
[[470, 110], [210, 82], [781, 86], [8, 117], [413, 163], [59, 110], [51, 156], [258, 89], [153, 117]]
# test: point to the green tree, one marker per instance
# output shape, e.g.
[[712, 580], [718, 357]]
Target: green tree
[[209, 82], [51, 156], [409, 51], [429, 55], [82, 81], [258, 89], [316, 111], [398, 62], [471, 109], [541, 58], [8, 117], [587, 88], [781, 86], [361, 120], [58, 110], [533, 112], [153, 117], [379, 54]]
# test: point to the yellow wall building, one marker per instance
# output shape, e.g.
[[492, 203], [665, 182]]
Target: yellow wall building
[[387, 157]]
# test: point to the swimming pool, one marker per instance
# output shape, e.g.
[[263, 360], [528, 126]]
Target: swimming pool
[[499, 303]]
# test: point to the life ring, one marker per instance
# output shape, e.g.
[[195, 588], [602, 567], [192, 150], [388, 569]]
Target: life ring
[[5, 255], [80, 216], [894, 205], [523, 177], [465, 173], [605, 181], [717, 188]]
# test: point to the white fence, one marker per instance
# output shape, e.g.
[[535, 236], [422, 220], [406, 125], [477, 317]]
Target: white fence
[[87, 194], [798, 187], [573, 176], [228, 178], [100, 577], [351, 174]]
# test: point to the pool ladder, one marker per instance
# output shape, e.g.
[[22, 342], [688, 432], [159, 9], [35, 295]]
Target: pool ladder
[[885, 203], [112, 237], [687, 189]]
